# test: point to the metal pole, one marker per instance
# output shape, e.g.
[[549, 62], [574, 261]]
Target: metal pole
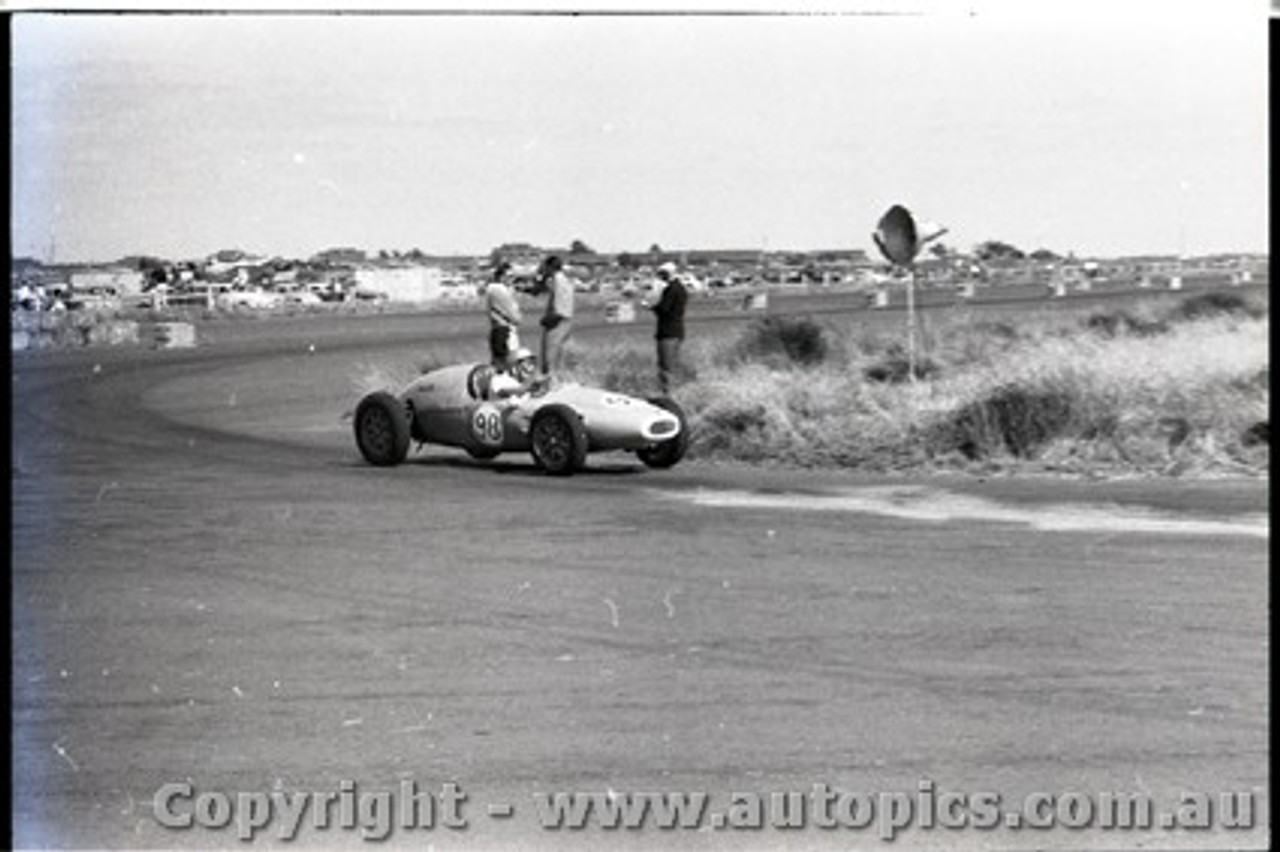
[[911, 323]]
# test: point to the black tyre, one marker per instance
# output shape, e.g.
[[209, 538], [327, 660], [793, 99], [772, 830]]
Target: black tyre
[[382, 429], [667, 453], [415, 425], [558, 440]]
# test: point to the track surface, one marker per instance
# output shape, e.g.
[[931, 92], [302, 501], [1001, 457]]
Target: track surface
[[208, 585]]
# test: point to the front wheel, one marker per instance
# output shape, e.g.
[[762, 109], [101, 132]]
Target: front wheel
[[382, 429], [669, 452], [558, 440]]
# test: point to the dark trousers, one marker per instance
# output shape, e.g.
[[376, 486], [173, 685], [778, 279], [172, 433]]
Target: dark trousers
[[668, 361], [554, 340], [500, 344]]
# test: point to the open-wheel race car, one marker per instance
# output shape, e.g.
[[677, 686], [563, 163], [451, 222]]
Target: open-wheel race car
[[559, 425]]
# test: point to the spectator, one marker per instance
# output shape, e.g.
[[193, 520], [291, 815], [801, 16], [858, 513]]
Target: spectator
[[504, 316], [27, 298], [672, 296], [557, 322]]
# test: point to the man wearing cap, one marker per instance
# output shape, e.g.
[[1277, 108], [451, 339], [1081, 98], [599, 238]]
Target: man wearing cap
[[557, 322], [672, 296], [504, 316]]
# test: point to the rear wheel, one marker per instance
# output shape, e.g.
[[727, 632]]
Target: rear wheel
[[669, 452], [382, 429], [558, 440]]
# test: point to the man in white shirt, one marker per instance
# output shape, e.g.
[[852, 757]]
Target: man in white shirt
[[504, 316]]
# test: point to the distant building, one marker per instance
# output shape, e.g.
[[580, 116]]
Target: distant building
[[400, 283], [521, 254], [123, 282], [285, 277], [229, 263]]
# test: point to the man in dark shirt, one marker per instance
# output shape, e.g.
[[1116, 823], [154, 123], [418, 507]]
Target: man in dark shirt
[[557, 322], [669, 309]]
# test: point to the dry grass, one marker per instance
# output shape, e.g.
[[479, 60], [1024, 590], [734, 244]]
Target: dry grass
[[1168, 402], [1177, 392]]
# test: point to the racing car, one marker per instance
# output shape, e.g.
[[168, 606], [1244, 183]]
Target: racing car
[[557, 424]]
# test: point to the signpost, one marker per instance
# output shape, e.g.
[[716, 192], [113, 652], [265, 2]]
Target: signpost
[[899, 240]]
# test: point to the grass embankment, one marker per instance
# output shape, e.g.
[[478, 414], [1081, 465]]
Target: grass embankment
[[1173, 391], [1184, 391]]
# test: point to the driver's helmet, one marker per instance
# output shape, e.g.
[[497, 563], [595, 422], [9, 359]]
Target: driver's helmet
[[522, 364]]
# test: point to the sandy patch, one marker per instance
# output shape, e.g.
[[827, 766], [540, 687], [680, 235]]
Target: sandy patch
[[927, 504]]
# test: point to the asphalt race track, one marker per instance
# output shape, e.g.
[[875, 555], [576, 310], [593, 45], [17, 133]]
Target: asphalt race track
[[209, 587]]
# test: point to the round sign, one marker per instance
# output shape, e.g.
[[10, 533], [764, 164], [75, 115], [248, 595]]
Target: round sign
[[896, 236], [486, 425]]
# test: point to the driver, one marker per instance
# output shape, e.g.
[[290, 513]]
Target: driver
[[520, 376]]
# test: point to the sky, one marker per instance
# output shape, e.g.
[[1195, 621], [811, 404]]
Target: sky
[[1078, 128]]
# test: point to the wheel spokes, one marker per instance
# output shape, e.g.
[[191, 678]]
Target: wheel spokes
[[553, 441], [376, 428]]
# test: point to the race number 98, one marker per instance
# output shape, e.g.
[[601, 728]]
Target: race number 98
[[486, 425]]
